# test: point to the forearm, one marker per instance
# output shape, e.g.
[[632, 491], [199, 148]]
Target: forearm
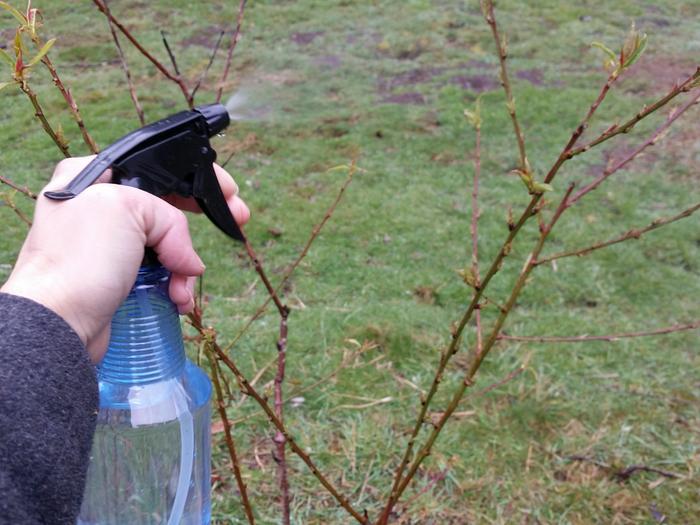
[[48, 404]]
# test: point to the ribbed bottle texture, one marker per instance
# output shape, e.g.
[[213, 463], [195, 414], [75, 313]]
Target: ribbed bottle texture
[[146, 341], [150, 460]]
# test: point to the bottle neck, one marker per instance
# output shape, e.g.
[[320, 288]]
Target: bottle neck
[[145, 344]]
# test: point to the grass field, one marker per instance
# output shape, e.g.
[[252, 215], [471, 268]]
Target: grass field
[[387, 82]]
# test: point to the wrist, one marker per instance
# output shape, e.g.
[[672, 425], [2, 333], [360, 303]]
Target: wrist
[[44, 290]]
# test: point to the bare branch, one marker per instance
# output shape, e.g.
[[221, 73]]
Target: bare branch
[[588, 338], [653, 139], [57, 138], [206, 69], [208, 337], [614, 130], [502, 47], [281, 308], [159, 66], [474, 229], [232, 46], [290, 269], [72, 104], [248, 389], [21, 189], [279, 438], [125, 67], [468, 379], [11, 204], [170, 53], [631, 234]]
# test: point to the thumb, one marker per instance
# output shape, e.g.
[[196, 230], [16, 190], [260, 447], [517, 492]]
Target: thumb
[[166, 231]]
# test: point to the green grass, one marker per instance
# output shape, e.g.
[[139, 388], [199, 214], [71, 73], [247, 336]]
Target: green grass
[[403, 227]]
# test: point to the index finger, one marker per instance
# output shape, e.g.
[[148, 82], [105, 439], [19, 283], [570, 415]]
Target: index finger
[[229, 188], [69, 168]]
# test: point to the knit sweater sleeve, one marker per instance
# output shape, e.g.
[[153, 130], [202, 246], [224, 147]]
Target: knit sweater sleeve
[[48, 407]]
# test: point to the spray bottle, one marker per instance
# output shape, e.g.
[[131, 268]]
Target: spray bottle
[[150, 461]]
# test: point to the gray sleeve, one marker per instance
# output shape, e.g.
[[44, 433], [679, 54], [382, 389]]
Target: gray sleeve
[[48, 408]]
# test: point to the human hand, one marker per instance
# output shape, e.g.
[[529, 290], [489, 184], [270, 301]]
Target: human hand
[[81, 256]]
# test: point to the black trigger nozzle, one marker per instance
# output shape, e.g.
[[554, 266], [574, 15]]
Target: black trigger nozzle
[[216, 116]]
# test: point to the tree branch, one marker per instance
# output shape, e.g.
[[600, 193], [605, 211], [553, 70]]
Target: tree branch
[[158, 65], [125, 67], [631, 234], [588, 338], [468, 379], [352, 169], [72, 104], [474, 229], [279, 438], [11, 204], [502, 47], [206, 69], [208, 338], [232, 46], [614, 130], [59, 140], [21, 189], [653, 139], [249, 390], [163, 35]]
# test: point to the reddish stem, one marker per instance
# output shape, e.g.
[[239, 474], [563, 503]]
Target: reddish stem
[[610, 337], [232, 46], [653, 139], [631, 234], [279, 438], [125, 67], [159, 66]]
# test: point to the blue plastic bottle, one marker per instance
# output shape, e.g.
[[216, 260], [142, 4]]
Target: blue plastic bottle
[[150, 460]]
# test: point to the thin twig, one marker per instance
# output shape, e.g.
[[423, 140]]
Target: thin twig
[[631, 234], [474, 229], [170, 53], [11, 204], [125, 67], [159, 66], [232, 46], [290, 269], [279, 439], [206, 69], [281, 308], [653, 139], [433, 481], [59, 140], [615, 129], [513, 229], [248, 389], [609, 337], [209, 336], [68, 96], [501, 45], [24, 190], [624, 474], [468, 379]]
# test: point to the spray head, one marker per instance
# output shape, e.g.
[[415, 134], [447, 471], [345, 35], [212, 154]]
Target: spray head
[[170, 156]]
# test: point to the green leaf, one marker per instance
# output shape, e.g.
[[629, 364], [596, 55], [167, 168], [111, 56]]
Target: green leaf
[[474, 117], [42, 52], [541, 187], [468, 277], [5, 84], [641, 44], [611, 54], [7, 58], [19, 16]]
